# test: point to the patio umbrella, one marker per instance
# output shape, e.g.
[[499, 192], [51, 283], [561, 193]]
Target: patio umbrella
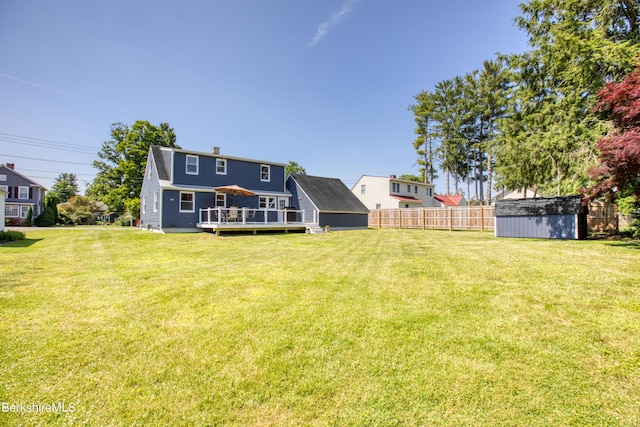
[[234, 190]]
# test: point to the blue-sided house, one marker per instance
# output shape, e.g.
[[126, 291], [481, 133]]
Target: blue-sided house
[[188, 191], [22, 193]]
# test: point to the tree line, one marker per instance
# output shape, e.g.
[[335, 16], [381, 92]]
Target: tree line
[[531, 119]]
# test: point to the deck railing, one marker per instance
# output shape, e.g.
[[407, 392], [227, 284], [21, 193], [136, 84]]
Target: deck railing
[[239, 215]]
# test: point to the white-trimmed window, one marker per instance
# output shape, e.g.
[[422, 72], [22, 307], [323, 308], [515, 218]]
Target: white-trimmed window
[[156, 201], [11, 211], [4, 188], [363, 189], [23, 193], [267, 202], [3, 177], [144, 205], [265, 173], [187, 201], [221, 200], [24, 211], [221, 166], [192, 165]]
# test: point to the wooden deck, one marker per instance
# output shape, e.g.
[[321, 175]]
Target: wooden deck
[[220, 220]]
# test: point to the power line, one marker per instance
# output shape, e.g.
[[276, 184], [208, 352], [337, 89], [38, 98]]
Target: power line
[[45, 160], [21, 137], [38, 170], [50, 145]]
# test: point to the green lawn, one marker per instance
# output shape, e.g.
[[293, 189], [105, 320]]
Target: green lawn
[[374, 327]]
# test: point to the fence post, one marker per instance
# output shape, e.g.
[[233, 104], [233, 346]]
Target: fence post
[[400, 218], [450, 219], [481, 219]]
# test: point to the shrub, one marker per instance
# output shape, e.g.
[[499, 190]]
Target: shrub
[[11, 236], [47, 218], [29, 221]]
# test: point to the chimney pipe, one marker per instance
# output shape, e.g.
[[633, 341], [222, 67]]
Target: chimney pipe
[[392, 177], [11, 166], [215, 150]]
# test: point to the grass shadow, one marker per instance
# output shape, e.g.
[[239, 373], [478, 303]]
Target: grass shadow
[[628, 244], [24, 243]]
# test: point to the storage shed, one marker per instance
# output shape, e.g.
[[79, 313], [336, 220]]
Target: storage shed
[[548, 218]]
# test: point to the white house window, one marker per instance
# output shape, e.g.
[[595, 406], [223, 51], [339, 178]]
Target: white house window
[[221, 200], [3, 177], [265, 172], [363, 189], [187, 201], [11, 211], [23, 192], [144, 205], [267, 202], [24, 211], [156, 201], [409, 188], [4, 188], [192, 165], [415, 189], [378, 205], [221, 166]]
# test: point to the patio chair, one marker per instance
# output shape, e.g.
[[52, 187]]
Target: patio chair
[[232, 216]]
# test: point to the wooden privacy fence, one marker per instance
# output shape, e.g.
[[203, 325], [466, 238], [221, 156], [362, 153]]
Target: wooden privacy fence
[[454, 218], [602, 218]]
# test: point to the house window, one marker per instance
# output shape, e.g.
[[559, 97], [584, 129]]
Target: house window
[[144, 205], [11, 211], [395, 187], [408, 188], [282, 203], [363, 189], [24, 211], [156, 201], [23, 192], [192, 165], [378, 205], [429, 192], [267, 202], [3, 177], [221, 200], [415, 189], [4, 188], [187, 201], [265, 172], [221, 166]]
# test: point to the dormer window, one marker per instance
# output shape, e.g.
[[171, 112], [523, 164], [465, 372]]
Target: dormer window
[[192, 165]]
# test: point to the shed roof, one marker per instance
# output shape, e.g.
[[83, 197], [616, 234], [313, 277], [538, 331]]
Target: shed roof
[[563, 205], [408, 199], [329, 194]]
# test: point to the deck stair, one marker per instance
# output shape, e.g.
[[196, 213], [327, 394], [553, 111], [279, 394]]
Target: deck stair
[[314, 229]]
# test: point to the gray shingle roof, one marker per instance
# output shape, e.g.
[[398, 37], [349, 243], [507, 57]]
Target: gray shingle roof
[[329, 194], [162, 163]]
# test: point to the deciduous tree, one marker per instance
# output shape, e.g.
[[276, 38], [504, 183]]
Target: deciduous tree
[[123, 160]]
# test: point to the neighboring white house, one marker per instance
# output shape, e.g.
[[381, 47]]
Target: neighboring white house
[[378, 192]]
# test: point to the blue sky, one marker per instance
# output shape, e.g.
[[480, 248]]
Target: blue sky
[[323, 83]]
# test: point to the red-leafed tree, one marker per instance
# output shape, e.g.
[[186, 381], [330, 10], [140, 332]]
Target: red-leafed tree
[[618, 174]]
